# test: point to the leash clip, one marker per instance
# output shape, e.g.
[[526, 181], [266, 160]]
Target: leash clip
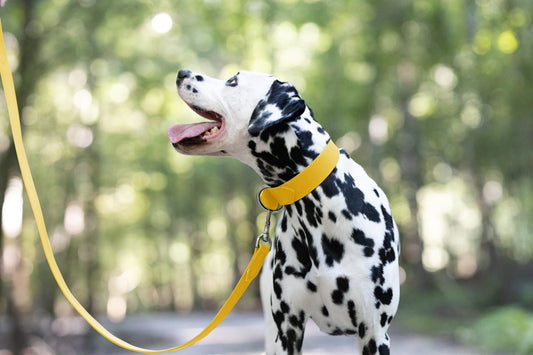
[[264, 238]]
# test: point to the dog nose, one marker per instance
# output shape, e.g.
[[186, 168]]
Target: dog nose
[[182, 74]]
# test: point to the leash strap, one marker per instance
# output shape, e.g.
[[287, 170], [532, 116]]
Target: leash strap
[[261, 251], [303, 183]]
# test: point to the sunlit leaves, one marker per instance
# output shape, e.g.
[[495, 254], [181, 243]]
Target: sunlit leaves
[[105, 94], [162, 23], [507, 42]]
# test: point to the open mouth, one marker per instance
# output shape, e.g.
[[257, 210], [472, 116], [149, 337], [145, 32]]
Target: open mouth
[[197, 133]]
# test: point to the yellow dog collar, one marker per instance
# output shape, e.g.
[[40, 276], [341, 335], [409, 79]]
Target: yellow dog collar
[[304, 183]]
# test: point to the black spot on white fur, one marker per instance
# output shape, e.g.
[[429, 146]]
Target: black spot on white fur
[[343, 285], [333, 250], [359, 237], [355, 199], [282, 103]]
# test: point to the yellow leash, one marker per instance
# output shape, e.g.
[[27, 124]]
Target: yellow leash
[[270, 198], [250, 273]]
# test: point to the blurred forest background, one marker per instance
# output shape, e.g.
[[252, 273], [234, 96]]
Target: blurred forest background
[[430, 96]]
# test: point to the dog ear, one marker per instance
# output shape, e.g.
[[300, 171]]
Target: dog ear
[[282, 102]]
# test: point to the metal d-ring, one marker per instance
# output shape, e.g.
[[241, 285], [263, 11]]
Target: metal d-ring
[[261, 203]]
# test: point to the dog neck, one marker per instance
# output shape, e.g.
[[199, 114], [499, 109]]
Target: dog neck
[[284, 150]]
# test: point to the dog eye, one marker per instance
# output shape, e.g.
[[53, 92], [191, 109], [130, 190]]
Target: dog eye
[[233, 81]]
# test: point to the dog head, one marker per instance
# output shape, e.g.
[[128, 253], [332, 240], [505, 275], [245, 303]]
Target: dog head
[[237, 110]]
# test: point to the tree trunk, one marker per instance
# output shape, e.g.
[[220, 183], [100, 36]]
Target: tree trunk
[[412, 243], [29, 52], [7, 165]]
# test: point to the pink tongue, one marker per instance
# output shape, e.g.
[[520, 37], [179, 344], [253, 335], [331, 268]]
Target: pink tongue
[[179, 132]]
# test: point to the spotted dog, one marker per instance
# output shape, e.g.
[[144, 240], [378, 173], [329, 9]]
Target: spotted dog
[[335, 257]]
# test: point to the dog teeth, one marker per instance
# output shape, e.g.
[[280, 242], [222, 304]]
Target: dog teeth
[[211, 131]]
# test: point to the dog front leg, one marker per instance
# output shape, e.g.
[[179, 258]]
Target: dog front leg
[[288, 316], [284, 324], [290, 329]]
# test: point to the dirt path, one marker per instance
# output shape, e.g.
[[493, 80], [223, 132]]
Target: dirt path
[[242, 334]]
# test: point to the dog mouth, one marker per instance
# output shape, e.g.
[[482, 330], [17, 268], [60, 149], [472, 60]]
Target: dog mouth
[[197, 133]]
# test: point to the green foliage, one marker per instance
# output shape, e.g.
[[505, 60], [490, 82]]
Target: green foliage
[[508, 329], [433, 98]]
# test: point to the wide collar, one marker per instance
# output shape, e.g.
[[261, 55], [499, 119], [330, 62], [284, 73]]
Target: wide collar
[[302, 184]]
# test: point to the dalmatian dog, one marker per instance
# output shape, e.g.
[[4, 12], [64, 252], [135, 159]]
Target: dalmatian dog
[[335, 255]]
